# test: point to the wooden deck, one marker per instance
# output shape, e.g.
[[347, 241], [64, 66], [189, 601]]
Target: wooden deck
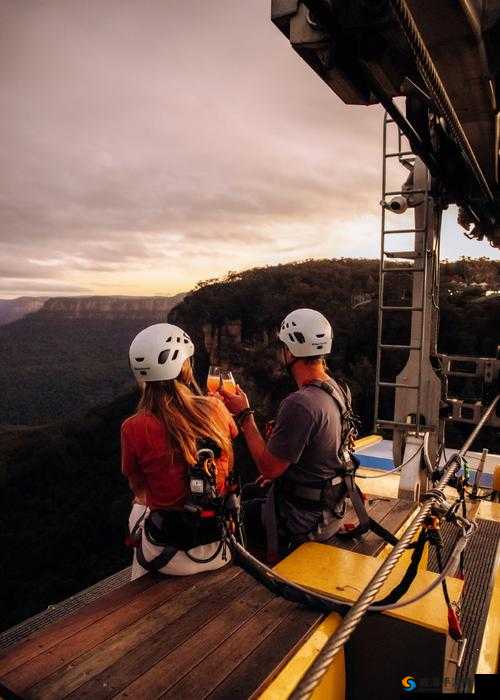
[[217, 635], [392, 513]]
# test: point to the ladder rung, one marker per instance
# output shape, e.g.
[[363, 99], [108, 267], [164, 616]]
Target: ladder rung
[[404, 426], [399, 154], [401, 308], [403, 254], [404, 193], [400, 347], [398, 385], [402, 269], [404, 230]]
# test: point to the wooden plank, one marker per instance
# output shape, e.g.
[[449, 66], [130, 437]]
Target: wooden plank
[[70, 648], [47, 637], [81, 671], [269, 654], [214, 668], [392, 519], [377, 508], [155, 647], [167, 671]]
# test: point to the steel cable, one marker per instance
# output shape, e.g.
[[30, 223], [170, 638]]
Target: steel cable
[[320, 666]]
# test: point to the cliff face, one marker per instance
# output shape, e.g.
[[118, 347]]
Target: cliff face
[[110, 307], [12, 309]]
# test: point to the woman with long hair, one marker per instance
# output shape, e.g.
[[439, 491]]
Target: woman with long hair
[[159, 444]]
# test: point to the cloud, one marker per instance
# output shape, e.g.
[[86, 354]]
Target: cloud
[[141, 140]]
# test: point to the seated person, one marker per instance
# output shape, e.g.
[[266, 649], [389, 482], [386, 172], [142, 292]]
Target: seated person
[[307, 445], [159, 442]]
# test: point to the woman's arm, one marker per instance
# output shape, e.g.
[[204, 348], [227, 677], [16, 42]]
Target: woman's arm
[[130, 468]]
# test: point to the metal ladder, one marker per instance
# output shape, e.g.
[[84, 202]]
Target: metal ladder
[[407, 159]]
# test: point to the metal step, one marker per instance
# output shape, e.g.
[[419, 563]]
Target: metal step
[[398, 385], [402, 269], [399, 154], [403, 254], [400, 347], [412, 427], [404, 230]]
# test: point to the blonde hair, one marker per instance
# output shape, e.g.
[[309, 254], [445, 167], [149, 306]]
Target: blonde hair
[[187, 417]]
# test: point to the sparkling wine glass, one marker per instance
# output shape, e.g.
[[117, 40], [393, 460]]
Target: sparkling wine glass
[[214, 379]]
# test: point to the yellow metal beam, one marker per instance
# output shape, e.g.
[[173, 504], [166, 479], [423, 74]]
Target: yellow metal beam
[[367, 440], [344, 574], [332, 686]]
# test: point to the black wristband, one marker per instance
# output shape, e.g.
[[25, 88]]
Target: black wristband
[[242, 416]]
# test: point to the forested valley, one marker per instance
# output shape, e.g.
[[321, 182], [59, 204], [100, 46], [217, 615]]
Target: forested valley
[[64, 502]]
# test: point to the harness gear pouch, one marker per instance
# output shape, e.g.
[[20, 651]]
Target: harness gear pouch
[[180, 530], [199, 523]]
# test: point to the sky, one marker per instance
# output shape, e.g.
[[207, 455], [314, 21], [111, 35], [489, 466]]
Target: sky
[[151, 144]]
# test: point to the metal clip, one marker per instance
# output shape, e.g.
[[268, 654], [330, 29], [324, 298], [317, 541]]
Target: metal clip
[[462, 643]]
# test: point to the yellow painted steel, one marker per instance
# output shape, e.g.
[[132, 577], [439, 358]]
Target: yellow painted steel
[[367, 440], [332, 686], [496, 478], [489, 511], [345, 574], [489, 654]]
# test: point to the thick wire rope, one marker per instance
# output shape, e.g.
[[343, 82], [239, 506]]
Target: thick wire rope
[[322, 663], [329, 602]]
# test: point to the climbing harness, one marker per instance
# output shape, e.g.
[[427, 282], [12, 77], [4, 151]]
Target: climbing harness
[[332, 493], [207, 516]]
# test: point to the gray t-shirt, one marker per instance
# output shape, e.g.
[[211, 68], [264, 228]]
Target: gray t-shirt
[[307, 433]]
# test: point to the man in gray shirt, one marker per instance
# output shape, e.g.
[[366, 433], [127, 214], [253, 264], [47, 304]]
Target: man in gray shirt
[[304, 452]]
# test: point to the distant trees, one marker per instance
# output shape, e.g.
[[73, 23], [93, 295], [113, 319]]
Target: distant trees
[[64, 504]]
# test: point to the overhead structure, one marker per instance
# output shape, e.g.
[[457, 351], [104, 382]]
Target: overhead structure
[[443, 58]]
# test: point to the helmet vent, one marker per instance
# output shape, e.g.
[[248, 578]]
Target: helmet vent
[[186, 341], [174, 356], [169, 339], [291, 337], [293, 323], [163, 356], [299, 337], [139, 359], [178, 339], [143, 372], [320, 335]]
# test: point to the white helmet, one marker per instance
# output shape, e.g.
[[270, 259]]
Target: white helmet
[[306, 333], [158, 352]]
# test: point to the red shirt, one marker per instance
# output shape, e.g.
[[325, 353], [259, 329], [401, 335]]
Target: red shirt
[[154, 468]]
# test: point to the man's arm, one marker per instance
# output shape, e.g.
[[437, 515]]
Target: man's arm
[[268, 465]]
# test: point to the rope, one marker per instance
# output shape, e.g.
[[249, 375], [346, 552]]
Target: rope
[[391, 471]]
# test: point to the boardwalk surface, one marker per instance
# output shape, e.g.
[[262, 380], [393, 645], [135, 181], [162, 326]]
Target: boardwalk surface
[[217, 635]]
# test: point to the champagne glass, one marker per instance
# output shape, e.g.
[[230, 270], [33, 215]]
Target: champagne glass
[[228, 383], [214, 380]]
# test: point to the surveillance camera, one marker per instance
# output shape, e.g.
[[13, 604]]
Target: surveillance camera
[[398, 204]]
